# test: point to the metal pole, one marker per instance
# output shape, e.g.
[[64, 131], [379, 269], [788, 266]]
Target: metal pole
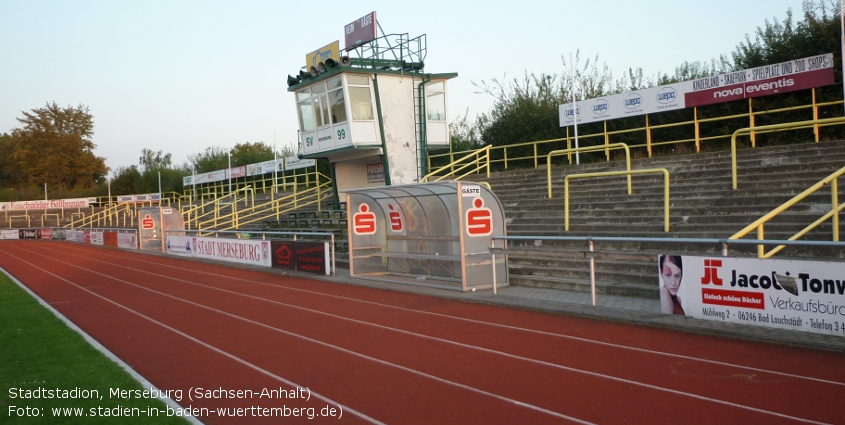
[[592, 272], [159, 186], [45, 191], [194, 182], [275, 165], [108, 180], [229, 172], [493, 259], [842, 39], [574, 107]]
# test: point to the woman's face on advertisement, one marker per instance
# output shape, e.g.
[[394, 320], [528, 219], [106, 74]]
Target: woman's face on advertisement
[[671, 277]]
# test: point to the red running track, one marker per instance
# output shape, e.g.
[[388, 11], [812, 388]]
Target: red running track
[[396, 358]]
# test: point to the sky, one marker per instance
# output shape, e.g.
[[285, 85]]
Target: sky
[[179, 76]]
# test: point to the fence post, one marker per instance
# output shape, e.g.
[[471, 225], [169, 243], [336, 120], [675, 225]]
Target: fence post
[[648, 135], [751, 121], [697, 134], [834, 195], [815, 115], [606, 141]]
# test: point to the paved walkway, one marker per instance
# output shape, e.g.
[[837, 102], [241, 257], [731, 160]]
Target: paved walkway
[[608, 307]]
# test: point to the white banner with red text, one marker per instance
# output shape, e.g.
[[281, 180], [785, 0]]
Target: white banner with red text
[[47, 204], [798, 74], [788, 294]]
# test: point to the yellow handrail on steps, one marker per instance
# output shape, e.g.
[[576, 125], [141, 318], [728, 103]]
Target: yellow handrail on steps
[[587, 149], [832, 214], [275, 207], [620, 173], [482, 160], [775, 128]]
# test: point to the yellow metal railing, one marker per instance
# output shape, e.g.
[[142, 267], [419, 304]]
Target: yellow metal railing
[[273, 208], [500, 154], [49, 215], [798, 125], [26, 216], [109, 215], [193, 215], [587, 149], [620, 173], [481, 161], [265, 183], [833, 215]]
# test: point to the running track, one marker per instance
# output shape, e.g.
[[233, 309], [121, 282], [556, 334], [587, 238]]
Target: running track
[[397, 358]]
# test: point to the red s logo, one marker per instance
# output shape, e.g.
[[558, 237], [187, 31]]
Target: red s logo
[[364, 221], [396, 224], [479, 220]]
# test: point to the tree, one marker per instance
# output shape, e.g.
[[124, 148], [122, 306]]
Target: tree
[[9, 174], [150, 160], [212, 159], [251, 153], [54, 146], [128, 181]]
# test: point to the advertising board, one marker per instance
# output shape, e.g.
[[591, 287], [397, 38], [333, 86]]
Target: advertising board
[[798, 74], [788, 294]]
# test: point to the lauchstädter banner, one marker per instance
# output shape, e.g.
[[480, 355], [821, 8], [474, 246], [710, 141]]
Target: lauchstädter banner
[[798, 74], [47, 204], [788, 294]]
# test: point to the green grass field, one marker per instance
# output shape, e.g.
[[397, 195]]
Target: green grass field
[[38, 351]]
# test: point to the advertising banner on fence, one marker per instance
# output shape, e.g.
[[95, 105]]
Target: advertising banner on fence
[[46, 204], [75, 235], [788, 294], [110, 239], [148, 197], [312, 257], [46, 233], [29, 233], [9, 234], [96, 237], [256, 253], [799, 74], [179, 245], [127, 241]]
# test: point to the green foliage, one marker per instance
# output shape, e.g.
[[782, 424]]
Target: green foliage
[[53, 146], [128, 181], [526, 109], [251, 153], [150, 160], [212, 159]]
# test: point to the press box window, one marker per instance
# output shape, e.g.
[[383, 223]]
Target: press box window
[[435, 101], [337, 106], [360, 97]]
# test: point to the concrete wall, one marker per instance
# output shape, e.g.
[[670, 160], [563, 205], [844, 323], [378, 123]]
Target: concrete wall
[[397, 108]]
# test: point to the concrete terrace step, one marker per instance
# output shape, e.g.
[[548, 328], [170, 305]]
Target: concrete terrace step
[[583, 285]]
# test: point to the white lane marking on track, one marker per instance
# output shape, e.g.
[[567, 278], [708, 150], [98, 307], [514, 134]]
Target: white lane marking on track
[[570, 369], [204, 344], [503, 326], [315, 341]]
